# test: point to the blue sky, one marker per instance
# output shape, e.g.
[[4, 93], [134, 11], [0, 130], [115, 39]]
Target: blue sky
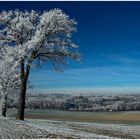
[[109, 40]]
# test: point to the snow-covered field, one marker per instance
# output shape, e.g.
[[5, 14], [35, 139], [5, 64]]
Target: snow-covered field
[[31, 128]]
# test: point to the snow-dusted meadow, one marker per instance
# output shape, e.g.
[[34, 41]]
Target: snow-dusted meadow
[[37, 128]]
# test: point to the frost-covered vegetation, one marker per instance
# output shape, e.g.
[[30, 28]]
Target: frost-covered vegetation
[[27, 40], [11, 128], [9, 76], [81, 103], [31, 38]]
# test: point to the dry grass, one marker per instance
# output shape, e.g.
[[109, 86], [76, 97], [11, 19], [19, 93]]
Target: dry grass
[[89, 118], [123, 117]]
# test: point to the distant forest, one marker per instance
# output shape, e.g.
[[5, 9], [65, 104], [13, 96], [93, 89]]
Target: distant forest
[[80, 103]]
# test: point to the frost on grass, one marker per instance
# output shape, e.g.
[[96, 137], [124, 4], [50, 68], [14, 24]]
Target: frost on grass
[[16, 129], [10, 128], [62, 128], [30, 128]]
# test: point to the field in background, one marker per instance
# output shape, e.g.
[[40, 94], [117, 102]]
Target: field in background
[[113, 117]]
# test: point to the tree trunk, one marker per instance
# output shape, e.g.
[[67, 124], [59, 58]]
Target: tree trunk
[[3, 105], [21, 103], [22, 95]]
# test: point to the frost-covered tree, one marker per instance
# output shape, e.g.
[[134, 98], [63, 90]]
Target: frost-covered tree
[[9, 77], [38, 37]]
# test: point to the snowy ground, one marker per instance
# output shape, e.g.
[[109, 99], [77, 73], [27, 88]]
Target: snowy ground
[[11, 128]]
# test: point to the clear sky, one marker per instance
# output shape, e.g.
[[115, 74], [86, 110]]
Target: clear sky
[[109, 40]]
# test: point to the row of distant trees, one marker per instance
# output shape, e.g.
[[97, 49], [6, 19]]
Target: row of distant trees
[[28, 39], [81, 103]]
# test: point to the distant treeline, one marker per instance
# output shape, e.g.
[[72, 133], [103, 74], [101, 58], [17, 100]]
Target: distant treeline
[[80, 103]]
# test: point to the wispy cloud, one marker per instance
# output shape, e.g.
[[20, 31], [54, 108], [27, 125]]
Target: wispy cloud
[[87, 77], [124, 59], [130, 58], [124, 71]]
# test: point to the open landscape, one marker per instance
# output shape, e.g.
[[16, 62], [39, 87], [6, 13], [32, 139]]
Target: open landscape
[[60, 121], [69, 70], [69, 124]]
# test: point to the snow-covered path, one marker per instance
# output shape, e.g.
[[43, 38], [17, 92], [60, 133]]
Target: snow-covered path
[[31, 128]]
